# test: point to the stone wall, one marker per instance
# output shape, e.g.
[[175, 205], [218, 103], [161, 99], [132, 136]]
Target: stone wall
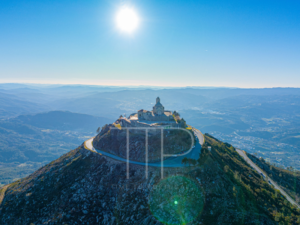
[[150, 117]]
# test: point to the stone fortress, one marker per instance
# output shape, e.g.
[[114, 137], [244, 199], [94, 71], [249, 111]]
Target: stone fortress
[[158, 117]]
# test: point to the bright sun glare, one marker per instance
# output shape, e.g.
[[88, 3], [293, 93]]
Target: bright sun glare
[[127, 19]]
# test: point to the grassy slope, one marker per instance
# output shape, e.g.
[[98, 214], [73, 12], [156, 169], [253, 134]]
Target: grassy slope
[[251, 191], [2, 192], [288, 180]]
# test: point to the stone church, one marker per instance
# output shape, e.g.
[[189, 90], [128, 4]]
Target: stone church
[[157, 114]]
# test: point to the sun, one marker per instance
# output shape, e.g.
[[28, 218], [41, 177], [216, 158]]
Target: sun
[[127, 19]]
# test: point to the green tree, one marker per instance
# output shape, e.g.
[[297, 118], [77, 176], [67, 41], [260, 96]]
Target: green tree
[[98, 130], [184, 161], [193, 162], [226, 168]]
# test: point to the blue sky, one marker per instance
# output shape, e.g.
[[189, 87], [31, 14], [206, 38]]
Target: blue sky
[[179, 43]]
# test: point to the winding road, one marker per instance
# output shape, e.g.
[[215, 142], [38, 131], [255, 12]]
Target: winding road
[[169, 162], [260, 171]]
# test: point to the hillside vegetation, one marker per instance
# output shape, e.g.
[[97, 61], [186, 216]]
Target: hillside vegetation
[[289, 180], [83, 187], [252, 192]]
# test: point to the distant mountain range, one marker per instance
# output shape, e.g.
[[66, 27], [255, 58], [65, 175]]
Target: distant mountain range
[[29, 141], [62, 120], [12, 105], [102, 101], [265, 121]]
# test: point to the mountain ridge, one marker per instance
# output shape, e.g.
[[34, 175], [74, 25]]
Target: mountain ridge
[[83, 187]]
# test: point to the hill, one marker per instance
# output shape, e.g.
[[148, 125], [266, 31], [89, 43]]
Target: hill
[[83, 187], [289, 180], [12, 106], [63, 120], [29, 141]]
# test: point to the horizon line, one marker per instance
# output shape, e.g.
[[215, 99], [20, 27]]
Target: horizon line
[[139, 85]]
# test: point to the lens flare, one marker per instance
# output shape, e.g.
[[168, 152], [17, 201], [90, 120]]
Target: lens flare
[[176, 200]]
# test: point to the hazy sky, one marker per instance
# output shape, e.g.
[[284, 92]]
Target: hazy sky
[[249, 43]]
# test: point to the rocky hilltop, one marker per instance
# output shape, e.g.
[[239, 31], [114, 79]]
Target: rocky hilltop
[[112, 139], [84, 187]]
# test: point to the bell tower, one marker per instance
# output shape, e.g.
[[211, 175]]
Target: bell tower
[[158, 109], [157, 100]]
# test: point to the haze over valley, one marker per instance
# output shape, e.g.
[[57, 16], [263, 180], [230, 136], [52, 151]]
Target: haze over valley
[[39, 123]]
